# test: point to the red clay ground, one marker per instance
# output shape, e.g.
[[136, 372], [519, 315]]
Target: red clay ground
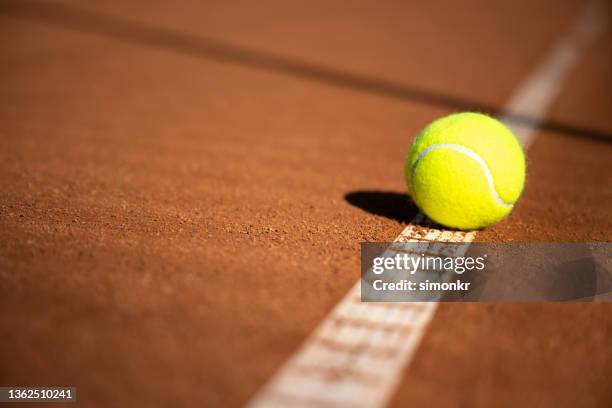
[[173, 226]]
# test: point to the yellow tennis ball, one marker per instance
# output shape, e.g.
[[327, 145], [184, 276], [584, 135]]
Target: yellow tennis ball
[[465, 170]]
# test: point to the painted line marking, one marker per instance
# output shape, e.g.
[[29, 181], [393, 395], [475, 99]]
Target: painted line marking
[[329, 368], [540, 88]]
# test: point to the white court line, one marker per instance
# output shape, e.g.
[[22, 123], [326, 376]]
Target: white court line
[[352, 359], [537, 92]]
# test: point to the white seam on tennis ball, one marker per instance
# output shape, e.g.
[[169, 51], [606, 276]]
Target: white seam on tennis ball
[[469, 153]]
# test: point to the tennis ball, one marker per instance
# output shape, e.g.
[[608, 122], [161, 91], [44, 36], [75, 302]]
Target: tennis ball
[[465, 170]]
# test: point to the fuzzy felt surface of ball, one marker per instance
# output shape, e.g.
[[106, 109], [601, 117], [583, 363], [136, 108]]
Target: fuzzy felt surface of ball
[[465, 170]]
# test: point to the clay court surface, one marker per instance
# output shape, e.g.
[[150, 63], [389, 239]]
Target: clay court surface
[[185, 187]]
